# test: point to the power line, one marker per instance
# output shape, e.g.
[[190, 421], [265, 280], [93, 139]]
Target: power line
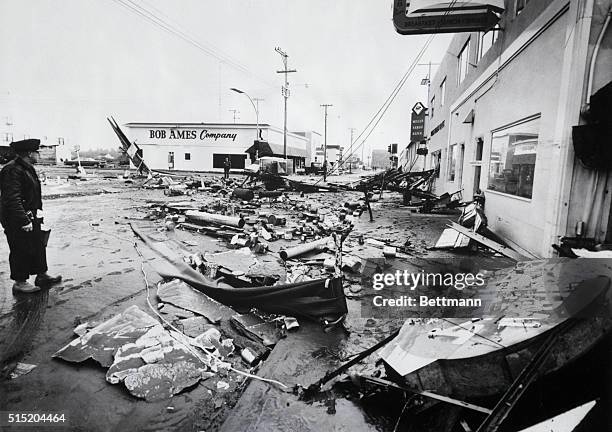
[[387, 103], [385, 106], [174, 30]]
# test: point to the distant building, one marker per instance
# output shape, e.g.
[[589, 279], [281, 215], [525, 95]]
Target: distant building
[[314, 141], [52, 150], [410, 160], [502, 107], [334, 155], [205, 146], [381, 159]]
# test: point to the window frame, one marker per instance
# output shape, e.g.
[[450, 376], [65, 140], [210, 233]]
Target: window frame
[[519, 6], [433, 107], [463, 57], [493, 34], [508, 127], [451, 173]]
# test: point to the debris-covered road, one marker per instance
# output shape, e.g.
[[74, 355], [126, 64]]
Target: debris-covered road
[[106, 269]]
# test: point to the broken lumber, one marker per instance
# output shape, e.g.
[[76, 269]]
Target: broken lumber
[[199, 216], [504, 250], [302, 249]]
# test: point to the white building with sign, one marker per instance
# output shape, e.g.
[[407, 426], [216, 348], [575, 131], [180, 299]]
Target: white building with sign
[[204, 146]]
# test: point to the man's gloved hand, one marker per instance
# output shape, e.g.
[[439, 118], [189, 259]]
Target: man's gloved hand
[[27, 228]]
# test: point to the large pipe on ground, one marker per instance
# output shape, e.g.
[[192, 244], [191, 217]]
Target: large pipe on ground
[[302, 249], [199, 216]]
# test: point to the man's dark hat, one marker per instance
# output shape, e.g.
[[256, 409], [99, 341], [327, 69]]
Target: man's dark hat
[[31, 144]]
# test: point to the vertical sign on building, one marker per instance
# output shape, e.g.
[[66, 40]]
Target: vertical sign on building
[[417, 122]]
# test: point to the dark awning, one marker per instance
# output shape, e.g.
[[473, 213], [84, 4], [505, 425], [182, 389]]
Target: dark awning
[[270, 149]]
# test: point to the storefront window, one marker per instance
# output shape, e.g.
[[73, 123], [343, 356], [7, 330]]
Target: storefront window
[[513, 158], [237, 160]]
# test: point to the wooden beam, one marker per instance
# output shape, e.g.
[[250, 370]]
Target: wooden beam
[[504, 250], [428, 394]]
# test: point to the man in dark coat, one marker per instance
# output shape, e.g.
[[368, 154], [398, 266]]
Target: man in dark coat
[[227, 166], [20, 215]]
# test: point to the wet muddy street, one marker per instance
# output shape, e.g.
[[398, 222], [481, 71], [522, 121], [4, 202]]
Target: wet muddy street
[[93, 247]]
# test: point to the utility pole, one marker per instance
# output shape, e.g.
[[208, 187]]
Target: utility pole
[[234, 112], [362, 157], [285, 93], [351, 152], [257, 100], [325, 106]]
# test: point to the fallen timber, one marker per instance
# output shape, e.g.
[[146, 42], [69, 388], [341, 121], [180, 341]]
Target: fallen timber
[[296, 251], [321, 300], [482, 357], [274, 182], [203, 217]]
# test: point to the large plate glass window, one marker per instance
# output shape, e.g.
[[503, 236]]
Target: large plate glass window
[[513, 158]]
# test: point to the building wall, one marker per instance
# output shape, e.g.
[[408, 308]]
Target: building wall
[[314, 142], [380, 159], [410, 161], [530, 72], [334, 154], [201, 142], [590, 200], [514, 26]]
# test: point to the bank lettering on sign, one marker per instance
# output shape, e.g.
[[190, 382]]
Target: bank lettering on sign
[[417, 122], [190, 134]]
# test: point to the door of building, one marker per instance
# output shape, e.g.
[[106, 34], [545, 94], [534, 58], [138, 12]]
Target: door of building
[[460, 166], [476, 179], [170, 160]]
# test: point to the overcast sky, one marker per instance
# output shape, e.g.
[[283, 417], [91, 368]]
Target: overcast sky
[[67, 65]]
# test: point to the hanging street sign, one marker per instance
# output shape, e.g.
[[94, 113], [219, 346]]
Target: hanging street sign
[[444, 17]]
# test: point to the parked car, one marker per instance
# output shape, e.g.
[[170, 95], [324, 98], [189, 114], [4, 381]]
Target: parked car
[[86, 162]]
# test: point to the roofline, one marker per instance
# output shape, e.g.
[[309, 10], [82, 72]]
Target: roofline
[[178, 124]]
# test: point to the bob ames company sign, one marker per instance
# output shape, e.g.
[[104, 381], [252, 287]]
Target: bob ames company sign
[[191, 134], [431, 16]]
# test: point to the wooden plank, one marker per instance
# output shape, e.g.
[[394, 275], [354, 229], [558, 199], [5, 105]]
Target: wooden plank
[[448, 239], [506, 251], [428, 394], [462, 241]]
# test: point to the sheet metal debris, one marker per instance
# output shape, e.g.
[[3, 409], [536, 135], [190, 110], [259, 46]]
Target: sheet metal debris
[[178, 293], [152, 362], [102, 342], [21, 369]]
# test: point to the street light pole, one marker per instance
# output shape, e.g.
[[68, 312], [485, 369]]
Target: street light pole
[[285, 93], [325, 106], [254, 107]]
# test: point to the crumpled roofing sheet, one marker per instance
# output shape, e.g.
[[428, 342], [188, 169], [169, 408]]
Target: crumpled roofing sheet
[[152, 362]]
